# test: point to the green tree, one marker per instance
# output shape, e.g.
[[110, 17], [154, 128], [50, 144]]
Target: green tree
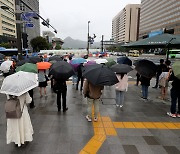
[[39, 43], [5, 45], [58, 47]]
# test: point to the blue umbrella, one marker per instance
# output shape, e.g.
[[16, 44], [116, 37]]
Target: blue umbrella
[[78, 61], [124, 60]]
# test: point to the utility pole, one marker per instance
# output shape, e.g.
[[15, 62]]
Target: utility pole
[[18, 29], [88, 40], [102, 43]]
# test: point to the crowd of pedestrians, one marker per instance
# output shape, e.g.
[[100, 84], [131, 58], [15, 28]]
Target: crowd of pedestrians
[[20, 130]]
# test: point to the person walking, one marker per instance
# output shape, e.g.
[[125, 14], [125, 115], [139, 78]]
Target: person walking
[[80, 77], [145, 83], [137, 78], [31, 93], [20, 130], [60, 88], [120, 88], [93, 94], [163, 83], [175, 95], [42, 78], [159, 71]]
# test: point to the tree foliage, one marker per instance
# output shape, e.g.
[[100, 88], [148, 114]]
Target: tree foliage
[[39, 43], [116, 48], [5, 45]]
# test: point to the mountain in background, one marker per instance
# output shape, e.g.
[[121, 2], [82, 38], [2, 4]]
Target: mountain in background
[[76, 44]]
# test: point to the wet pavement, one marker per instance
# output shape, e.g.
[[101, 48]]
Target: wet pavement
[[139, 127]]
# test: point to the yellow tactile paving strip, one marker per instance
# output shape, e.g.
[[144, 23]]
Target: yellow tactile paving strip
[[105, 127]]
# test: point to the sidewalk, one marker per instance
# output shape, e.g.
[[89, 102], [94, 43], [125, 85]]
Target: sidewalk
[[139, 127]]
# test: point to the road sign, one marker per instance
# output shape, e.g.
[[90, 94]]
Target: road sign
[[29, 25]]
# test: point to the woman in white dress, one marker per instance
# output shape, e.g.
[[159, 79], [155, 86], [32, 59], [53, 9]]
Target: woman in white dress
[[20, 130]]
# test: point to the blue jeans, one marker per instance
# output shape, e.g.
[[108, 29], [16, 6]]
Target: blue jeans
[[144, 91], [175, 97], [119, 97]]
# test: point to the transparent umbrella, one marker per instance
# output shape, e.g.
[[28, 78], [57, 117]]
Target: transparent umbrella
[[19, 83], [5, 66]]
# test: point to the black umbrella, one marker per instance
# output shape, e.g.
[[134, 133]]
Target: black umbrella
[[55, 58], [61, 70], [146, 68], [121, 68], [100, 75], [34, 60], [124, 60], [22, 62]]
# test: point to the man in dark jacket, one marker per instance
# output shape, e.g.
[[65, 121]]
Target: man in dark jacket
[[145, 82], [60, 88], [93, 93], [159, 71], [80, 77], [175, 96]]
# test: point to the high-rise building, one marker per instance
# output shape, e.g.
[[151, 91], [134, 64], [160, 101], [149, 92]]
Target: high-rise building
[[125, 24], [29, 6], [7, 22], [7, 18], [159, 16]]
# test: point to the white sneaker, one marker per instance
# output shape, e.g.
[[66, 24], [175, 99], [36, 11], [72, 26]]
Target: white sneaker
[[171, 115], [95, 119], [117, 105], [88, 118], [121, 106]]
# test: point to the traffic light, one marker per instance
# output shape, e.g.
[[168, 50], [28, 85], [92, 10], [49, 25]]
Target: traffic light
[[46, 22], [25, 40]]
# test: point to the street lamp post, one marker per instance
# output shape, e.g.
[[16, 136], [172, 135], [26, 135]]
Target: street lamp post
[[88, 40]]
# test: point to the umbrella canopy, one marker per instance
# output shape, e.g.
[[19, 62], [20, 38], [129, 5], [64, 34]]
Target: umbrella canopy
[[28, 67], [43, 65], [34, 60], [78, 61], [61, 70], [146, 68], [101, 61], [5, 66], [121, 68], [19, 83], [22, 62], [100, 75], [176, 69], [55, 58], [124, 60], [158, 41], [110, 62], [92, 62]]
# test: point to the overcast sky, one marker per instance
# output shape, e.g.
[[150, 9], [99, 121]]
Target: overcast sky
[[70, 17]]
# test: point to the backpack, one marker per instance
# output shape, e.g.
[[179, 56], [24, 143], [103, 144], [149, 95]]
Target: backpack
[[13, 108]]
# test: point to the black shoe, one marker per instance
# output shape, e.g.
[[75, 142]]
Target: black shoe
[[31, 107], [59, 109], [65, 109]]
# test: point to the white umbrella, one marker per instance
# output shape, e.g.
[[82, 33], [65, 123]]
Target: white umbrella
[[19, 83], [5, 66], [101, 61]]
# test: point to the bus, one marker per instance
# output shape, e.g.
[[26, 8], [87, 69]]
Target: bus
[[175, 53], [133, 53], [14, 52]]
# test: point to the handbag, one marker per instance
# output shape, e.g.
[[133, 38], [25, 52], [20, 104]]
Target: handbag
[[13, 108]]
